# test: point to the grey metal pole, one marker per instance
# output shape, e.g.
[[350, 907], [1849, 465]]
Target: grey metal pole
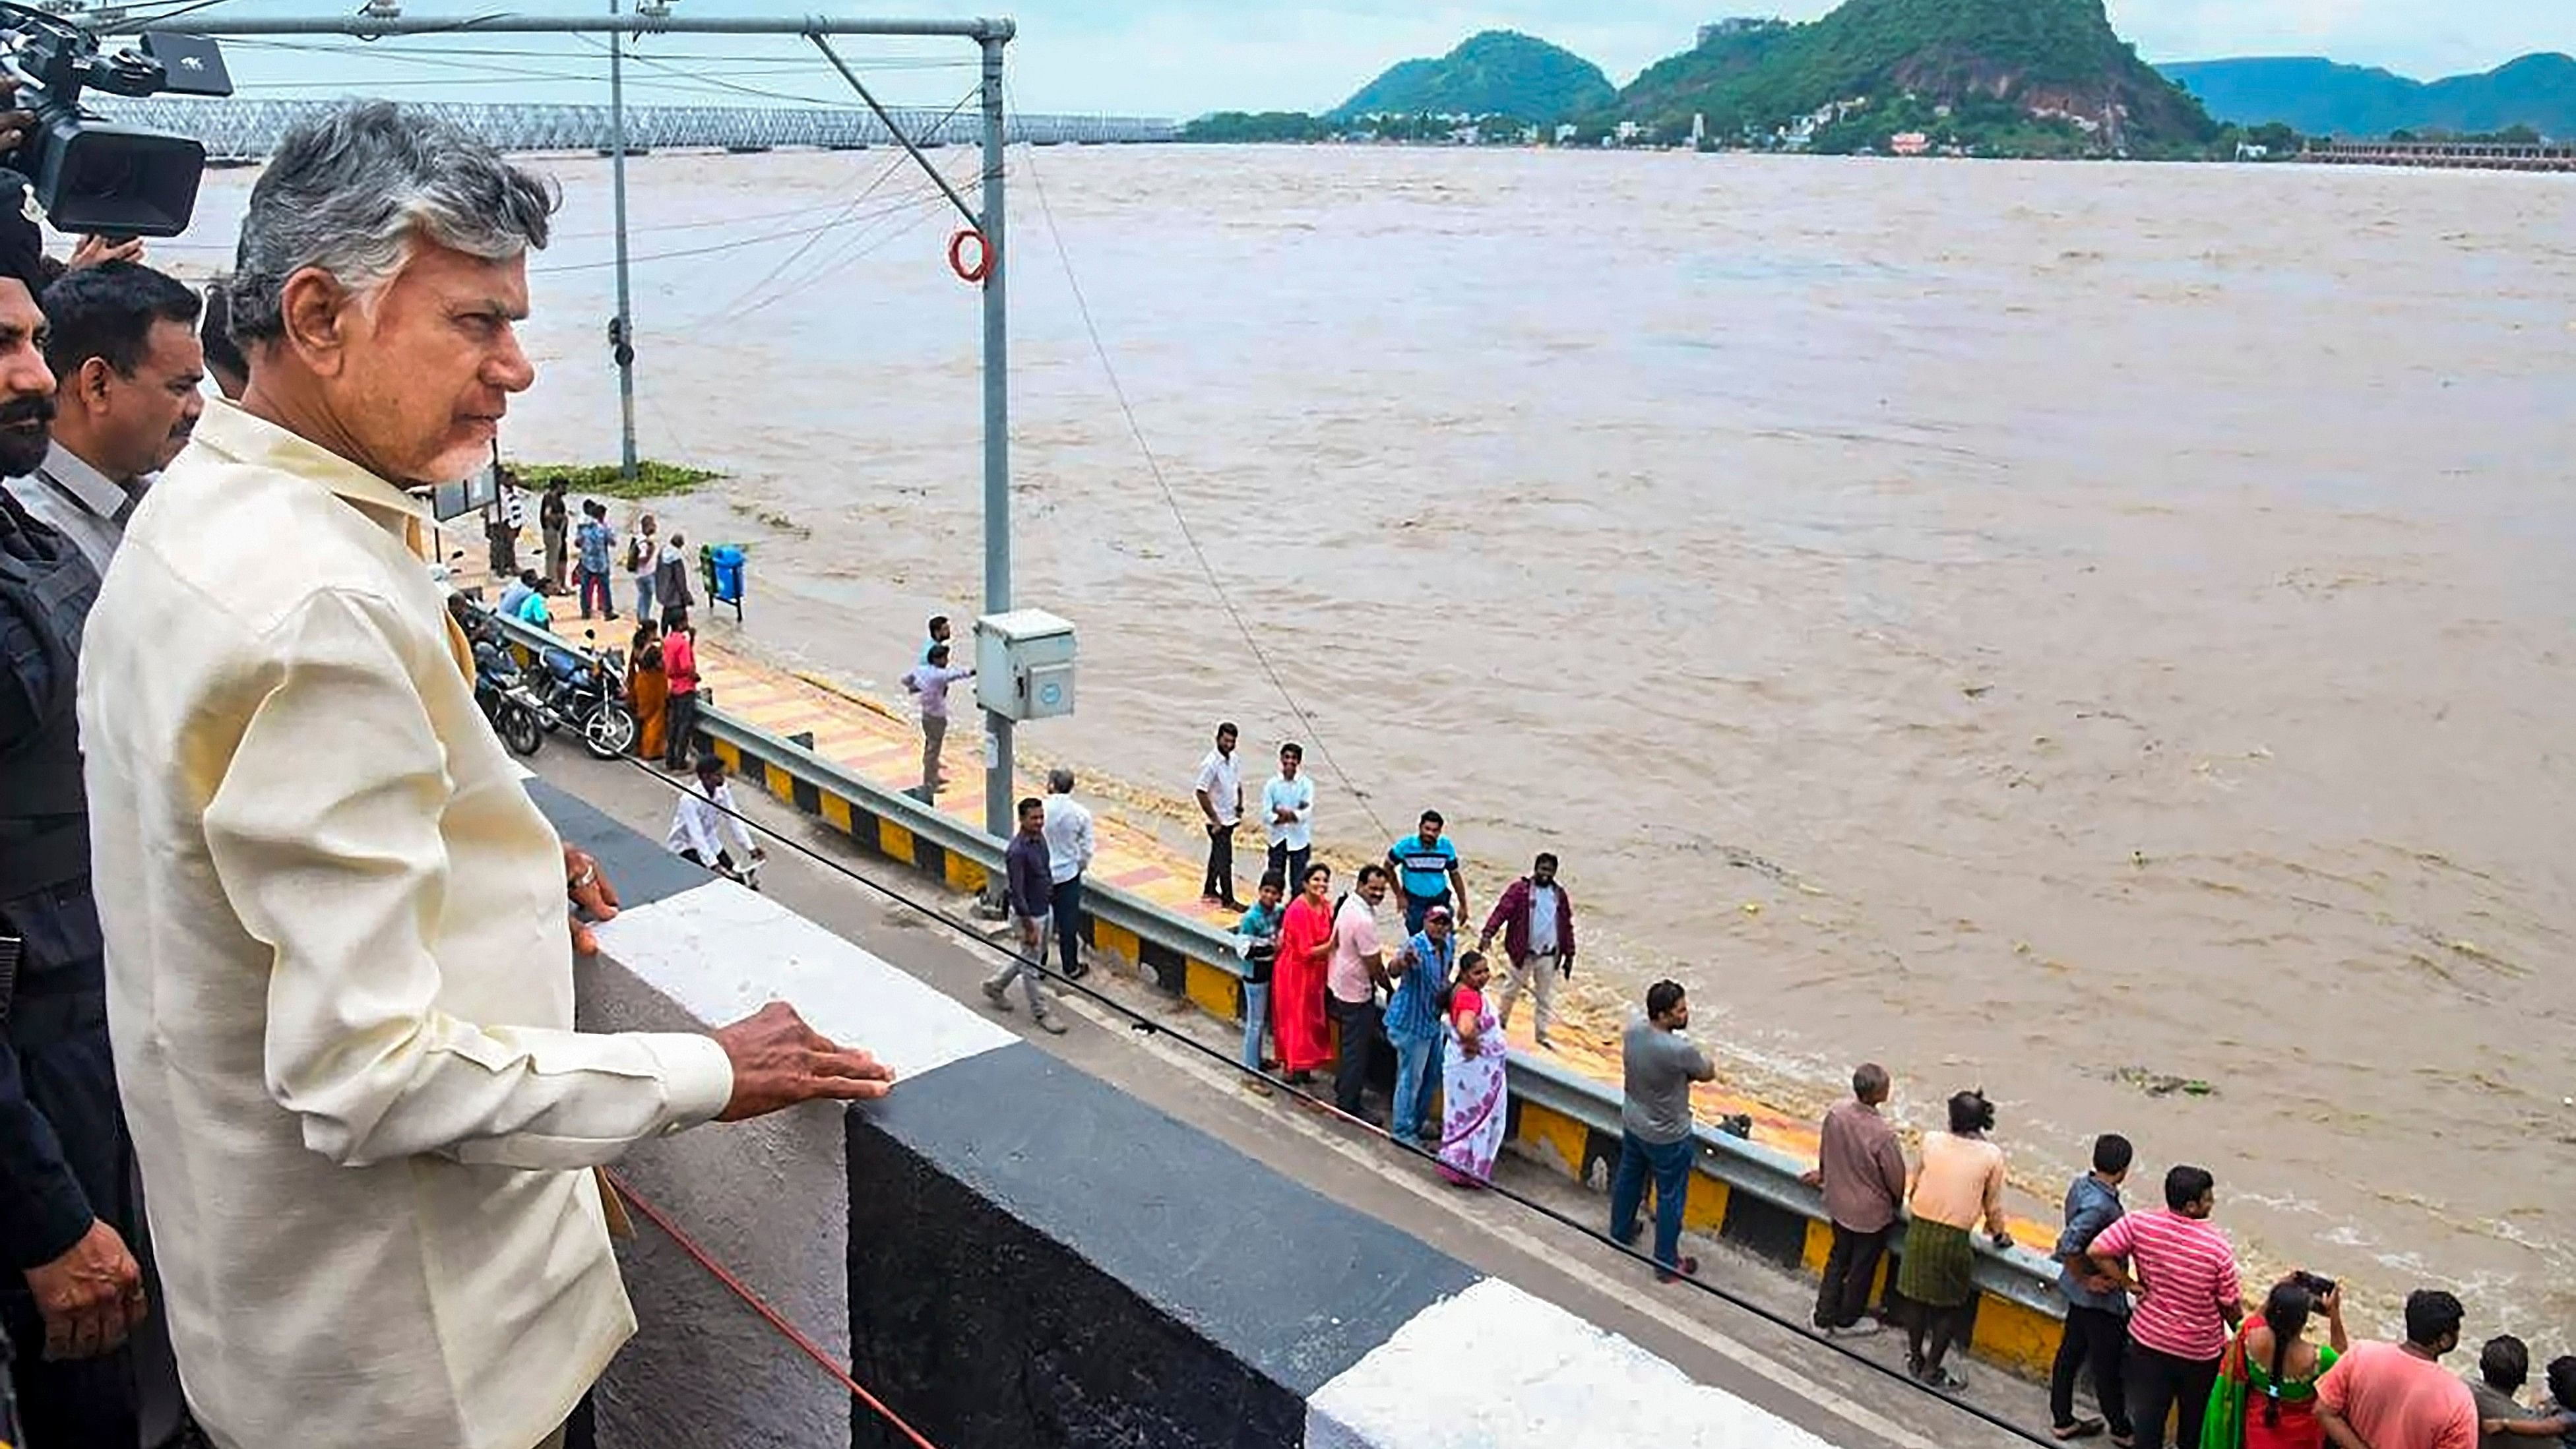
[[997, 426], [625, 353]]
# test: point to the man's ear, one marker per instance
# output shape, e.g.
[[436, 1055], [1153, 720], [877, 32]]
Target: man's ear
[[316, 311], [89, 385]]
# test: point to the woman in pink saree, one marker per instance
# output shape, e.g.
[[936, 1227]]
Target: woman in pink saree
[[1472, 1092]]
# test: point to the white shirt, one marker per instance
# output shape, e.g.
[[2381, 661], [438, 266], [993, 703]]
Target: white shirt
[[694, 825], [339, 980], [78, 501], [1222, 779], [1068, 838], [1298, 795]]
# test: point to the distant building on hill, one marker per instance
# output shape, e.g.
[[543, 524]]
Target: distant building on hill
[[1910, 143], [1736, 25]]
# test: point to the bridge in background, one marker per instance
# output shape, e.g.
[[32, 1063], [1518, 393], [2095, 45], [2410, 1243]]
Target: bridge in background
[[248, 130], [2468, 155]]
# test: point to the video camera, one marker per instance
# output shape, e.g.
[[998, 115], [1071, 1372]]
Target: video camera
[[91, 175]]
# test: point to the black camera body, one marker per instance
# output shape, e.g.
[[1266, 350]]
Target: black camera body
[[88, 174]]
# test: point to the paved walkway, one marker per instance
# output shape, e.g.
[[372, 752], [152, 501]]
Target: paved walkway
[[881, 743]]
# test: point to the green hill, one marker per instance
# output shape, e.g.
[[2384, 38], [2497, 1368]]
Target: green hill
[[2028, 76], [2322, 98], [1497, 73]]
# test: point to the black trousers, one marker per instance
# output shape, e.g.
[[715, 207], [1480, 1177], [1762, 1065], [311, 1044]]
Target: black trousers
[[2161, 1384], [1359, 1024], [1850, 1268], [679, 729], [1065, 904], [2099, 1338], [1292, 864], [1220, 870]]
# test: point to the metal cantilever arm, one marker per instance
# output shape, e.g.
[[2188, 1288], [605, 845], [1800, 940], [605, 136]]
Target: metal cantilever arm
[[901, 139]]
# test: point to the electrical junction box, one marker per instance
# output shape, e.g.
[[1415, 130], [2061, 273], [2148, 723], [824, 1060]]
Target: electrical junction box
[[1024, 664]]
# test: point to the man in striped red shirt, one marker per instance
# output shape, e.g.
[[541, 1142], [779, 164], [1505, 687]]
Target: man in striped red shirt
[[2190, 1298]]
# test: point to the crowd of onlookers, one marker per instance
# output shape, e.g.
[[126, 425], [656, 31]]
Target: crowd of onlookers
[[2157, 1322]]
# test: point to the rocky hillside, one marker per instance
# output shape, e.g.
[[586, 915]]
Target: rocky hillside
[[2050, 60], [1497, 73]]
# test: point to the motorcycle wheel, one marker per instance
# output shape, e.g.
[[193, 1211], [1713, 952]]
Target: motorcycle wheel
[[521, 730], [609, 732]]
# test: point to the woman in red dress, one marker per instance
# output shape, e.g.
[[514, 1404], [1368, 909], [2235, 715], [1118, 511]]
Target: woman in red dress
[[1297, 979]]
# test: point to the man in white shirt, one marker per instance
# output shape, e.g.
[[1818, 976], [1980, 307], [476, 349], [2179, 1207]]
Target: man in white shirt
[[1288, 811], [1068, 838], [122, 343], [1220, 792], [338, 978], [704, 816]]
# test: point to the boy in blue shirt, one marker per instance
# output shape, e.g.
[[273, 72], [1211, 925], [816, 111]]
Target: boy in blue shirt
[[1257, 942]]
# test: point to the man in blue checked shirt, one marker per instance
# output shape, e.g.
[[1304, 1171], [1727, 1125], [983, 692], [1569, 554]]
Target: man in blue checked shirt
[[1425, 866], [1413, 1024]]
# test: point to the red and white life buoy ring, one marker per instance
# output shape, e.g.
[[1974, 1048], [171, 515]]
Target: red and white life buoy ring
[[982, 266]]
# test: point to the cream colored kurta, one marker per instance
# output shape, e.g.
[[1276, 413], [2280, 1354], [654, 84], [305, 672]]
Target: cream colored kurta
[[339, 978]]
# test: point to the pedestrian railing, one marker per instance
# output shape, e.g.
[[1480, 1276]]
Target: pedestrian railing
[[1750, 1194]]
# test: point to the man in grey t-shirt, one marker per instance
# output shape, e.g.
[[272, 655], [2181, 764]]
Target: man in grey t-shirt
[[1655, 1125]]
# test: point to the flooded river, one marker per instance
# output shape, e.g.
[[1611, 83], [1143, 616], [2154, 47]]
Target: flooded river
[[2040, 626]]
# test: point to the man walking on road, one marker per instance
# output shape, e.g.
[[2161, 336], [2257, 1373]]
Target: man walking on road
[[1425, 865], [1031, 886], [1220, 792], [2097, 1312], [1536, 917], [338, 978], [928, 683], [1660, 1064], [1288, 812], [1861, 1168], [1351, 982], [2398, 1396], [1068, 838]]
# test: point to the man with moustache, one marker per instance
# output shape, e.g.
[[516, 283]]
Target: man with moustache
[[338, 977], [69, 1215], [128, 373]]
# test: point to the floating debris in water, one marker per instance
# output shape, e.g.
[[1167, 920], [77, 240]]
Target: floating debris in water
[[2165, 1084]]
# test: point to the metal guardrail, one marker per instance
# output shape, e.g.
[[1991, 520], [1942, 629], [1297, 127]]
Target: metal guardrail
[[2020, 1275]]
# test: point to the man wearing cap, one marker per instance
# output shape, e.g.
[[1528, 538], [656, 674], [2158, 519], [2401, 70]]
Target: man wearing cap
[[1413, 1024]]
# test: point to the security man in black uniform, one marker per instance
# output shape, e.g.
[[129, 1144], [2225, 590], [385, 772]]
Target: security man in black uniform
[[69, 1205]]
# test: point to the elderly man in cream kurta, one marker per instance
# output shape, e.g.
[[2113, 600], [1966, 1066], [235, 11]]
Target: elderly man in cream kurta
[[339, 982]]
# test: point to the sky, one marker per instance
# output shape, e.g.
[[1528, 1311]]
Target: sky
[[1185, 57]]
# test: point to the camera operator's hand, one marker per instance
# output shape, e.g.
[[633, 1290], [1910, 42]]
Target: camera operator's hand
[[89, 1296], [779, 1061], [95, 250]]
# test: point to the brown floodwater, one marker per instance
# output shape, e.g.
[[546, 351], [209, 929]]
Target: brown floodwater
[[2038, 626]]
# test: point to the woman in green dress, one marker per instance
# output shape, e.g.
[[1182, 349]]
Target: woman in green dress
[[2267, 1381]]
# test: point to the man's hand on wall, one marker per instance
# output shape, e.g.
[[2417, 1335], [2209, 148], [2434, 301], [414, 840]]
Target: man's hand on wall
[[779, 1061]]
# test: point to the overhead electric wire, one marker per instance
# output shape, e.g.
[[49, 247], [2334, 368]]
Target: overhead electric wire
[[1171, 501], [1145, 1025]]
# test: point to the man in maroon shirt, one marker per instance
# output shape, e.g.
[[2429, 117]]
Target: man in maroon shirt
[[1861, 1168]]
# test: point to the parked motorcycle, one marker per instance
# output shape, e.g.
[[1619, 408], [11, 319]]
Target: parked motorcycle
[[587, 690], [517, 715]]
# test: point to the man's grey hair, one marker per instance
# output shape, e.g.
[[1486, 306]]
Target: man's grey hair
[[1060, 781], [349, 193]]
